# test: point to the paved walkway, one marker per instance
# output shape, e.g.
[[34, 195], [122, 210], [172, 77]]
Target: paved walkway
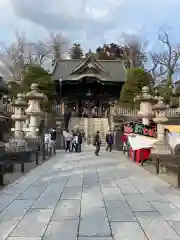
[[83, 197]]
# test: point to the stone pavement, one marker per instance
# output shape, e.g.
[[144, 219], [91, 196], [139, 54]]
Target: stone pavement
[[83, 197]]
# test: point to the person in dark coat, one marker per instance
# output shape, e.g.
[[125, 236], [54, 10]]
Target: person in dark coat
[[109, 141], [97, 143], [53, 139], [79, 142]]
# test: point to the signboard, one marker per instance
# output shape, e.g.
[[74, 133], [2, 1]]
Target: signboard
[[141, 129]]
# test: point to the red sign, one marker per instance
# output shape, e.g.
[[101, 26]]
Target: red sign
[[141, 129]]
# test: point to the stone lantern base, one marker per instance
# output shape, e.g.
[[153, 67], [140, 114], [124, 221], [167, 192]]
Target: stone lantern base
[[160, 148]]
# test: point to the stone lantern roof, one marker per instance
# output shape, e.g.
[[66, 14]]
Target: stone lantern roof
[[176, 89], [20, 102], [34, 94], [160, 105]]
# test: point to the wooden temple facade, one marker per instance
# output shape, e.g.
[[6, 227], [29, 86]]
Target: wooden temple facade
[[88, 86]]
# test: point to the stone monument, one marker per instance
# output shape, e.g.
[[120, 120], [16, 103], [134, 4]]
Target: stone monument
[[161, 147], [3, 118], [19, 116], [146, 101], [34, 111]]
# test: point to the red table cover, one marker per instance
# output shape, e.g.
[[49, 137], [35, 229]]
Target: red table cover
[[142, 154]]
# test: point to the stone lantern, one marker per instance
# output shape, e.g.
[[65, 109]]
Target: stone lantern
[[19, 116], [111, 114], [3, 118], [160, 147], [34, 112], [176, 93], [146, 101]]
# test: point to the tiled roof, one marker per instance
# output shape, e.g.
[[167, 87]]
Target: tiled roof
[[115, 69]]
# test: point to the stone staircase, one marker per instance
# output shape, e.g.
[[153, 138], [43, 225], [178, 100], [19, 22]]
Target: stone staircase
[[90, 126]]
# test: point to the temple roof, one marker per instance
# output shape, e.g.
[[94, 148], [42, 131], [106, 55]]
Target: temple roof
[[75, 69]]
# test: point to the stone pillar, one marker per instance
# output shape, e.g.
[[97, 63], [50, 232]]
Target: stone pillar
[[3, 118], [19, 116], [100, 110], [111, 115], [77, 107], [160, 147], [62, 108], [145, 99], [34, 110]]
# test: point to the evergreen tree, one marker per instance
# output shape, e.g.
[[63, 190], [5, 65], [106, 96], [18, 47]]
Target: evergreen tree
[[76, 51], [35, 74], [136, 78]]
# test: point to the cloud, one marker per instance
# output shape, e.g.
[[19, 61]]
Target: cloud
[[90, 21]]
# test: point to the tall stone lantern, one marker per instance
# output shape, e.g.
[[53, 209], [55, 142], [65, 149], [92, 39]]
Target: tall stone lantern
[[146, 101], [3, 118], [19, 116], [34, 112], [160, 147]]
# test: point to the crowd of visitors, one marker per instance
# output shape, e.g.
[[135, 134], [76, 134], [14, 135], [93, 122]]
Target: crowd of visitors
[[73, 141]]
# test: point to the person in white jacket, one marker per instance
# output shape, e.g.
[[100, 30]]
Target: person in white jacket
[[68, 140]]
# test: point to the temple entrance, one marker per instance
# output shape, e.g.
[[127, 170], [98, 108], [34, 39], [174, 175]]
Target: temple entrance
[[90, 108], [88, 98]]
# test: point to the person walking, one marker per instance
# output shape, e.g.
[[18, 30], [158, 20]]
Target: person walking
[[53, 140], [97, 143], [79, 142], [124, 142], [109, 141]]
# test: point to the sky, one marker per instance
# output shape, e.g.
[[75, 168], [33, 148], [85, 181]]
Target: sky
[[90, 22]]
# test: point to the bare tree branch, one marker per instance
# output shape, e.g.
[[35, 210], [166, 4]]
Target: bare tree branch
[[40, 52], [58, 45], [21, 52], [134, 49], [168, 60]]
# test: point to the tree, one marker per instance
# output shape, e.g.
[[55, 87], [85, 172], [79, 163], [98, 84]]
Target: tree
[[58, 45], [37, 74], [40, 52], [134, 50], [166, 63], [110, 51], [76, 51], [21, 52], [136, 78], [14, 89]]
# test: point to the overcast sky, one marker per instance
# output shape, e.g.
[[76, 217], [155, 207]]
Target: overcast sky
[[90, 22]]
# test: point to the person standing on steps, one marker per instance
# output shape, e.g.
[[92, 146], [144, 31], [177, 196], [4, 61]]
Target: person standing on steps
[[97, 143], [109, 141]]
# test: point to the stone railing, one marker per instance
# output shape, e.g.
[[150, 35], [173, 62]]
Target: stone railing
[[53, 109], [9, 109], [171, 112]]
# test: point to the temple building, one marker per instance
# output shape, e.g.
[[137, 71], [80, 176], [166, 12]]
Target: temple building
[[88, 85]]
